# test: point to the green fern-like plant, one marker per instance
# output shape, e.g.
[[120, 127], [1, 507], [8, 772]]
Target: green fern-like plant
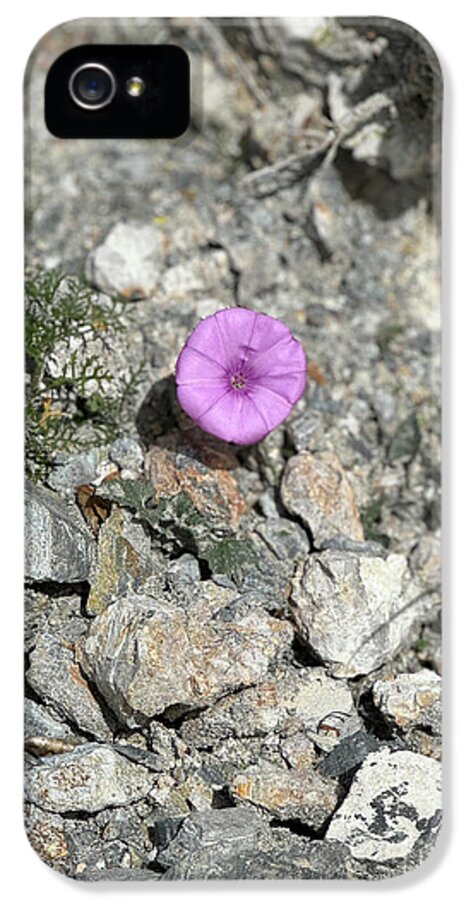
[[67, 411]]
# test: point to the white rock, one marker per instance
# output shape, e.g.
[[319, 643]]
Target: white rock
[[354, 610], [89, 778], [129, 261], [394, 800]]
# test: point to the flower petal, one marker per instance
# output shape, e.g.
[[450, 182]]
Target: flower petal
[[235, 418], [290, 385], [194, 366], [286, 356], [197, 401], [236, 328], [271, 406], [208, 341], [268, 333]]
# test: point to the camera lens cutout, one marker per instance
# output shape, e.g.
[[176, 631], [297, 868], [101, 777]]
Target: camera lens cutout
[[119, 91], [92, 86]]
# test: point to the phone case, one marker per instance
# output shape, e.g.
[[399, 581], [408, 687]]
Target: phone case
[[232, 554]]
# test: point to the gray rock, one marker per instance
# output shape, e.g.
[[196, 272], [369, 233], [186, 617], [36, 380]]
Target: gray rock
[[58, 546], [355, 611], [45, 735], [69, 472], [393, 803], [128, 825], [129, 261], [287, 794], [48, 836], [410, 700], [115, 842], [166, 745], [61, 615], [56, 677], [201, 275], [183, 572], [40, 721], [112, 873], [348, 754], [148, 656], [291, 702], [222, 830], [426, 563], [315, 487], [238, 844], [299, 751], [35, 607], [286, 539], [304, 429], [127, 453], [87, 779], [152, 761]]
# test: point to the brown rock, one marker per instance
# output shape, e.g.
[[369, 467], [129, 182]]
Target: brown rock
[[147, 656], [315, 487], [205, 472], [287, 793], [123, 560]]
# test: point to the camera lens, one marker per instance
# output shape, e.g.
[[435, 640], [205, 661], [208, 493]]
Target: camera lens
[[92, 86]]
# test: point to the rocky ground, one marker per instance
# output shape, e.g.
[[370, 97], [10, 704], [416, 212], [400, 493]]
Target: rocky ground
[[233, 660]]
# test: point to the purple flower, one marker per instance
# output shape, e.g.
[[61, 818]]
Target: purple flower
[[239, 374]]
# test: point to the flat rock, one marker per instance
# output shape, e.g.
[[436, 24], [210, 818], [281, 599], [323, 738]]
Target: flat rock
[[292, 702], [206, 474], [87, 779], [39, 721], [71, 471], [129, 261], [285, 539], [286, 793], [393, 803], [123, 560], [147, 656], [348, 754], [237, 843], [57, 679], [58, 546], [354, 611], [315, 487], [411, 699]]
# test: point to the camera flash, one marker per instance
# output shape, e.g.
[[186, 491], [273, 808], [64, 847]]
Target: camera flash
[[135, 86]]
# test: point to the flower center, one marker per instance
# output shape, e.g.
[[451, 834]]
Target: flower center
[[238, 381]]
